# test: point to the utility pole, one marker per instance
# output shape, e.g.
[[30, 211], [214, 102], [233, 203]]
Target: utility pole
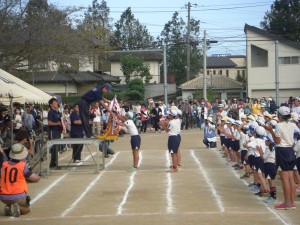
[[165, 77], [276, 73], [204, 66], [188, 50]]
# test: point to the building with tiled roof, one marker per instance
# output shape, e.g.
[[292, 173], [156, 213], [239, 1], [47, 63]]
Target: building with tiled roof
[[67, 83], [152, 58], [224, 87], [226, 65]]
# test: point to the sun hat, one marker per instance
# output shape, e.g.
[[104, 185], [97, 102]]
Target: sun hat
[[18, 151]]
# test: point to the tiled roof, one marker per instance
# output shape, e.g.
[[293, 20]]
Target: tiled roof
[[146, 55], [217, 82], [271, 36], [74, 77], [218, 62]]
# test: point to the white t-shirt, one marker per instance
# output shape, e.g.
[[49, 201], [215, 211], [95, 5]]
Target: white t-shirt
[[244, 138], [173, 127], [285, 130], [257, 142], [269, 156], [131, 127], [45, 116], [296, 110], [97, 119], [178, 125]]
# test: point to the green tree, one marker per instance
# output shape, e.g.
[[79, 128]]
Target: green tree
[[133, 66], [174, 35], [135, 90], [283, 19], [130, 34]]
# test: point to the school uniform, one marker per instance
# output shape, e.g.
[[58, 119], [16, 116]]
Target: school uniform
[[227, 140], [76, 132], [210, 138], [173, 140], [235, 143], [244, 138], [258, 160], [135, 140], [285, 155]]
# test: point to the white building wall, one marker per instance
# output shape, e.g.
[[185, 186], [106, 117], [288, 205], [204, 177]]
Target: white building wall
[[154, 71], [59, 88], [261, 80]]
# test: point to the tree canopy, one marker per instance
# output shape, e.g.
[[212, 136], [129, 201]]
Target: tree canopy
[[174, 36], [283, 19], [129, 34], [133, 66]]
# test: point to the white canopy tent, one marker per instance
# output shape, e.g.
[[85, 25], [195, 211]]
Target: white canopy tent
[[17, 90]]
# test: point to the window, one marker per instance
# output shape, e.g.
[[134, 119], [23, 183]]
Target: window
[[295, 60], [238, 72], [244, 73], [214, 72], [289, 60], [220, 72], [259, 57], [227, 73]]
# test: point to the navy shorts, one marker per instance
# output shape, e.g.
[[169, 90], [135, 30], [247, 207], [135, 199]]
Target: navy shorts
[[173, 144], [179, 138], [270, 171], [298, 164], [259, 164], [227, 143], [251, 159], [235, 146], [285, 158], [135, 142], [222, 138], [243, 155]]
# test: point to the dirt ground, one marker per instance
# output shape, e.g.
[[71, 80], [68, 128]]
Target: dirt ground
[[204, 191]]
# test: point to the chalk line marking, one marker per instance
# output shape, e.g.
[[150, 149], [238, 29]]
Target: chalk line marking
[[270, 209], [47, 189], [89, 187], [170, 208], [211, 186], [131, 184], [133, 214]]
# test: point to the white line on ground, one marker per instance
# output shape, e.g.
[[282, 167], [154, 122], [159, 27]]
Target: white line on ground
[[170, 207], [134, 214], [270, 209], [88, 188], [131, 184], [47, 189], [211, 186]]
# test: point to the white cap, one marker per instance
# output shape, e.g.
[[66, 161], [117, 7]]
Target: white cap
[[179, 112], [260, 131], [129, 115], [172, 112], [243, 116], [263, 105], [251, 117], [238, 122], [260, 121], [284, 111], [273, 123], [209, 119], [220, 106]]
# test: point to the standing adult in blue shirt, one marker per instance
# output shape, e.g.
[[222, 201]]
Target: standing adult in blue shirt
[[76, 132], [86, 100], [55, 128]]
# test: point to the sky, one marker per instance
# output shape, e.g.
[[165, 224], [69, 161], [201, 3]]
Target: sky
[[223, 20]]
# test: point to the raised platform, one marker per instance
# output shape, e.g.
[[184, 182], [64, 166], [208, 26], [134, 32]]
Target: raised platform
[[84, 141]]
